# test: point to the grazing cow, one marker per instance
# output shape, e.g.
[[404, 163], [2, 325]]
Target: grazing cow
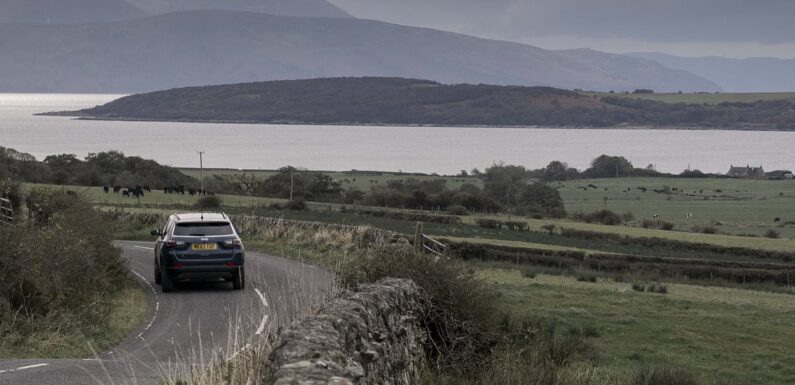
[[106, 189], [777, 220], [719, 191], [191, 192], [116, 189], [147, 189], [656, 216], [125, 193]]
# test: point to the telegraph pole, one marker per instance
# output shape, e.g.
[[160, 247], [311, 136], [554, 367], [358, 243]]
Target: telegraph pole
[[201, 167]]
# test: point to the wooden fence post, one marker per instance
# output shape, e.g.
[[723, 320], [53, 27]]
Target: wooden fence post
[[418, 238]]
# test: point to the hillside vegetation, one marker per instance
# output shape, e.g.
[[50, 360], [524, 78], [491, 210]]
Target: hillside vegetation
[[407, 102]]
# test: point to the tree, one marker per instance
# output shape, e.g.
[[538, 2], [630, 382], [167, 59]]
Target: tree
[[558, 171], [610, 166], [540, 198], [503, 183]]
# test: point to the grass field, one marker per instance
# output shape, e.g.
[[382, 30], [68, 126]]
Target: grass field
[[701, 98], [733, 206], [736, 334], [359, 180]]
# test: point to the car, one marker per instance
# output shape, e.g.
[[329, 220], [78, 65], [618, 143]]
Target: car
[[198, 247]]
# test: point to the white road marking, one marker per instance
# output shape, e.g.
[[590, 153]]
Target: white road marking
[[157, 305], [22, 368], [145, 248], [264, 321], [261, 297]]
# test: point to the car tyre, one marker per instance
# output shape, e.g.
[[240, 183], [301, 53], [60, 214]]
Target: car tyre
[[158, 277], [166, 282], [239, 279]]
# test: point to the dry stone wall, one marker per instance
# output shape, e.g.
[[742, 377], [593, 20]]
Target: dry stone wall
[[370, 335]]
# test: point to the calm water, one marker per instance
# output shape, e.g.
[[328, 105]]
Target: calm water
[[418, 149]]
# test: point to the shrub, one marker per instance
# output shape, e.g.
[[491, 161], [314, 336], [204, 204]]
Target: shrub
[[210, 202], [639, 287], [605, 217], [458, 210], [488, 223], [667, 226], [297, 204], [11, 190], [772, 234], [663, 375], [67, 233], [705, 229]]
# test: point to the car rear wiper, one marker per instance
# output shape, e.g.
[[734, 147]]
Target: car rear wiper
[[198, 235]]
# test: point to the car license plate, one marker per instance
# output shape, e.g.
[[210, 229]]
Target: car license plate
[[204, 246]]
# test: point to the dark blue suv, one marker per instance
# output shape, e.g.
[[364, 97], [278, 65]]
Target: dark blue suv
[[199, 246]]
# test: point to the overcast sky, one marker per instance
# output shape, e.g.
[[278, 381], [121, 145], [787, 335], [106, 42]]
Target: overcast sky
[[733, 28]]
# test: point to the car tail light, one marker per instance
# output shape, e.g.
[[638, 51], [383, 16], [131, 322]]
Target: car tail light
[[173, 244], [233, 243], [230, 264]]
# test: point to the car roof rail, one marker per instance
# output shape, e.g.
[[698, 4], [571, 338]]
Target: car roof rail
[[223, 215]]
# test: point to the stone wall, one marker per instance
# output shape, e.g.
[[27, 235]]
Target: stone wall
[[371, 335]]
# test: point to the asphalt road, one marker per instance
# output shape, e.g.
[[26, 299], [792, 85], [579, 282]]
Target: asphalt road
[[187, 326]]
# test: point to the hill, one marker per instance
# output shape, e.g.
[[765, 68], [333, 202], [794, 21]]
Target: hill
[[407, 102], [310, 8], [218, 47], [735, 75], [66, 12]]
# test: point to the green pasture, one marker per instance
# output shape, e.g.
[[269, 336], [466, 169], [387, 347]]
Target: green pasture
[[735, 334], [732, 206], [712, 98]]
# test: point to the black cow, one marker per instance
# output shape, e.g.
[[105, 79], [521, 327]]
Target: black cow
[[777, 220], [116, 189], [106, 189], [125, 193], [191, 192], [147, 189]]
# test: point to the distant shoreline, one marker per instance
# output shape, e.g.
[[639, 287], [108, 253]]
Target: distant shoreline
[[77, 116]]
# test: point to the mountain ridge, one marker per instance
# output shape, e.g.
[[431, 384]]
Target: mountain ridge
[[204, 47], [756, 74]]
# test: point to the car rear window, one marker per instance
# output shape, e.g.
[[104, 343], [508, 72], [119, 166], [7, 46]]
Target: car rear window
[[203, 229]]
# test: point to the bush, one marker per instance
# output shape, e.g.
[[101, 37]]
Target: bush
[[488, 223], [666, 226], [772, 234], [705, 229], [639, 287], [663, 375], [210, 202], [550, 228], [458, 210], [605, 217], [298, 204], [11, 190], [59, 269]]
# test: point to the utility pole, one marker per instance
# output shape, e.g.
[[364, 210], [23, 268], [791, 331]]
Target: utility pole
[[201, 167], [292, 182]]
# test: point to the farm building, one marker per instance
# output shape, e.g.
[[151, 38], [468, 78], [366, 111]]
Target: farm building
[[780, 174], [746, 172]]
